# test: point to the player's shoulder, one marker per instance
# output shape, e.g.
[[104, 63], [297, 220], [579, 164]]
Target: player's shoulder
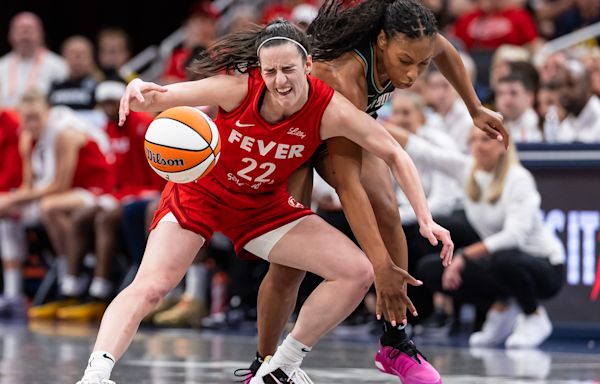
[[346, 75]]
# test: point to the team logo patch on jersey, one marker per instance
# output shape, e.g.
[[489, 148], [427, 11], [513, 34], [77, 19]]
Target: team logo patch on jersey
[[293, 203]]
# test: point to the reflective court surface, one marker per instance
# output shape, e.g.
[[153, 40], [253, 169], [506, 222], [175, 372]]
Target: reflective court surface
[[57, 353]]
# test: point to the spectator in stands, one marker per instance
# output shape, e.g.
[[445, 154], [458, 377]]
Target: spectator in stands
[[29, 64], [63, 169], [552, 67], [445, 101], [502, 59], [550, 110], [581, 13], [77, 91], [515, 99], [281, 9], [237, 18], [114, 50], [11, 300], [491, 25], [200, 30], [134, 181], [592, 64], [583, 107], [442, 193], [302, 15], [517, 263]]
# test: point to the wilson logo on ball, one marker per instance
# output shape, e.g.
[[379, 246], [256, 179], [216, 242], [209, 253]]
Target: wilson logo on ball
[[156, 158], [182, 144]]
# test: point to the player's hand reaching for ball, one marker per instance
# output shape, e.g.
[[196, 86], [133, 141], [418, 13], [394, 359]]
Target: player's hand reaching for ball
[[491, 123], [138, 96], [434, 232], [392, 300]]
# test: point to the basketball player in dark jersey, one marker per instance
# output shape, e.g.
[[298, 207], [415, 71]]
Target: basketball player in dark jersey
[[365, 52]]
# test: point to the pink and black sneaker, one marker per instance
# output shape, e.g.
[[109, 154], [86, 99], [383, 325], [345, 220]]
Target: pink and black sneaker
[[405, 361]]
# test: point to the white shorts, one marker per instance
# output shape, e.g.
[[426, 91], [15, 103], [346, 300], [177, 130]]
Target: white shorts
[[260, 246]]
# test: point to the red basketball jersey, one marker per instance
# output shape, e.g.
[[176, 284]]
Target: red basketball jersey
[[245, 195], [259, 157]]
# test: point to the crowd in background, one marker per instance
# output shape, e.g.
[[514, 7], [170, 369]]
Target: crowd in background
[[76, 193]]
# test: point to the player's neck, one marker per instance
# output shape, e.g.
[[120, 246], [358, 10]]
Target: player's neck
[[380, 72]]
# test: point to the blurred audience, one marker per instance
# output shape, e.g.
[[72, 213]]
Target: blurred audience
[[517, 263], [583, 107], [515, 99], [13, 253], [29, 64], [200, 30], [114, 50], [77, 91]]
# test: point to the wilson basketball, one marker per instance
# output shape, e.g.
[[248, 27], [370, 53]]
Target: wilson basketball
[[182, 144]]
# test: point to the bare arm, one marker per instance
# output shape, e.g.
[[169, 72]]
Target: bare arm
[[224, 91], [342, 119], [450, 64]]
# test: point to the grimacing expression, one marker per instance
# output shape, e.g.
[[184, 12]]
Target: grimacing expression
[[405, 59], [486, 151], [284, 71]]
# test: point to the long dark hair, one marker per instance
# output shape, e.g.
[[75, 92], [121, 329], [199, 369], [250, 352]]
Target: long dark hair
[[238, 51], [342, 26]]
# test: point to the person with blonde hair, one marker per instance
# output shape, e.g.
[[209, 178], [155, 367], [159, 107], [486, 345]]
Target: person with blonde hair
[[517, 263]]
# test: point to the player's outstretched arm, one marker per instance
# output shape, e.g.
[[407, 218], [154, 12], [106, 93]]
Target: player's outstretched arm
[[448, 61], [343, 119], [224, 91]]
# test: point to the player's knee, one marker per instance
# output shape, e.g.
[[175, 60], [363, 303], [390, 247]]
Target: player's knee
[[47, 208], [361, 273], [150, 292]]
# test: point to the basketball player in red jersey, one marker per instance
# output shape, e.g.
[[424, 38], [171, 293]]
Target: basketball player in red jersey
[[271, 121], [366, 51]]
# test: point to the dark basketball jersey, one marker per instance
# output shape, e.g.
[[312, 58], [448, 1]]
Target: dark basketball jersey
[[377, 96]]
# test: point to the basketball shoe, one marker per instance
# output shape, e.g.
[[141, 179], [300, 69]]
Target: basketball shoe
[[247, 374], [83, 312], [95, 381], [272, 373], [404, 360], [188, 312]]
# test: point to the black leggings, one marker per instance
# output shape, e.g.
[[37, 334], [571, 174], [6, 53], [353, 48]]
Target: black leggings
[[502, 275]]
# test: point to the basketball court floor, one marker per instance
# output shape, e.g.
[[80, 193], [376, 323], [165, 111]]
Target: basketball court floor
[[44, 353]]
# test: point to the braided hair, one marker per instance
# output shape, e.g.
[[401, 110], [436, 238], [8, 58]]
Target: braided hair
[[341, 26], [238, 51]]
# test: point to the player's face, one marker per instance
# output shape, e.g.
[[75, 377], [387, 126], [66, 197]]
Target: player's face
[[405, 59], [406, 114], [284, 72], [34, 116], [486, 151]]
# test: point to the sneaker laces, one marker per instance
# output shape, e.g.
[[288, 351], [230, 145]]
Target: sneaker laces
[[298, 376], [408, 347]]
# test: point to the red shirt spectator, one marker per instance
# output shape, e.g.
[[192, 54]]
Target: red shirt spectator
[[482, 31], [11, 171], [132, 172]]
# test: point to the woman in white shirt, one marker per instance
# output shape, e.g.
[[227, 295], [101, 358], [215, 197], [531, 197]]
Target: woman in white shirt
[[517, 263]]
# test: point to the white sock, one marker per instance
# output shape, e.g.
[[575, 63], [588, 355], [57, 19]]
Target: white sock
[[195, 282], [13, 283], [290, 352], [73, 285], [99, 366], [100, 288]]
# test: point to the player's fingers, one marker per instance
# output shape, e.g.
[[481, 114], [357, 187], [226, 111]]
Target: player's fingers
[[389, 313], [138, 95], [412, 281], [409, 304], [378, 307]]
